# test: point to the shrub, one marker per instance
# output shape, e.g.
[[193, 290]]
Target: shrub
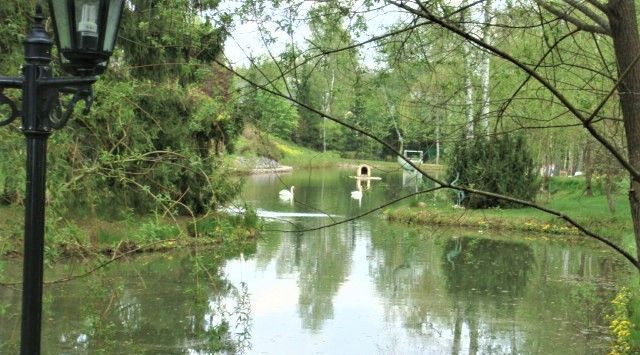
[[499, 164]]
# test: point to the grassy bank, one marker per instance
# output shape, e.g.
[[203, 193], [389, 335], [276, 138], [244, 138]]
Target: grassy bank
[[82, 237], [565, 194], [252, 145]]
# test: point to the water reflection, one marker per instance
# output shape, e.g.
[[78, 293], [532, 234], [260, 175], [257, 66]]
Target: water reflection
[[325, 261], [494, 297], [362, 287], [152, 305], [488, 270], [484, 275]]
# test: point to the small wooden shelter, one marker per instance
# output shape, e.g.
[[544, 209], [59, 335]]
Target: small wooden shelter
[[364, 171]]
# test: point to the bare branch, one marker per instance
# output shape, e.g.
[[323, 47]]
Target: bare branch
[[506, 104], [613, 90], [597, 4], [601, 21], [573, 20]]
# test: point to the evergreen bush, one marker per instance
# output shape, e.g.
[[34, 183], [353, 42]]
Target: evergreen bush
[[500, 164]]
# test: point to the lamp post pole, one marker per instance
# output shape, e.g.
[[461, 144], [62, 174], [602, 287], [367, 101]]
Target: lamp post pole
[[37, 47], [41, 114]]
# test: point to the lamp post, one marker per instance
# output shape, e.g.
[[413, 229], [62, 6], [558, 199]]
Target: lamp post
[[85, 33]]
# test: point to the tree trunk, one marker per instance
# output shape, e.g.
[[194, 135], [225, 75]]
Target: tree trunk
[[328, 99], [472, 322], [400, 139], [572, 169], [468, 83], [438, 142], [457, 332], [468, 87], [626, 41], [485, 73], [609, 191], [588, 169]]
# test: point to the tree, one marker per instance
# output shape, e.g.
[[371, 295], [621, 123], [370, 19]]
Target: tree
[[333, 77], [501, 164], [160, 120]]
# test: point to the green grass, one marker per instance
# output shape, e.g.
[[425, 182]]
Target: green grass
[[252, 144], [85, 236], [298, 156], [287, 153], [11, 231], [566, 196]]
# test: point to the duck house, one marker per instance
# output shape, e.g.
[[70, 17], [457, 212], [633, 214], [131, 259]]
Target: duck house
[[364, 171]]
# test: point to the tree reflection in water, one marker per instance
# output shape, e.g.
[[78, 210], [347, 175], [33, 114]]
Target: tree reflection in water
[[487, 274], [487, 294], [325, 261], [148, 305]]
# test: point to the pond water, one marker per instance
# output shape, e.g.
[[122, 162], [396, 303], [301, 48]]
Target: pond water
[[361, 287]]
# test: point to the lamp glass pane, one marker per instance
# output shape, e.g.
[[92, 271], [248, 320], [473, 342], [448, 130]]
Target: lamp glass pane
[[63, 28], [87, 24], [113, 22]]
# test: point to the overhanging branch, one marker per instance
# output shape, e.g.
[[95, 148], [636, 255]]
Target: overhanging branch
[[565, 15], [601, 21]]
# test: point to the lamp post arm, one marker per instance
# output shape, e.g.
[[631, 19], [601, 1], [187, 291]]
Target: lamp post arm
[[69, 83], [8, 82], [58, 117]]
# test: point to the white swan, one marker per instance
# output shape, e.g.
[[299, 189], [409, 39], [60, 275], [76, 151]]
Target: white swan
[[357, 195], [286, 195]]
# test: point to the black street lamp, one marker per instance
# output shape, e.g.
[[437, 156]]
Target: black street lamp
[[86, 31]]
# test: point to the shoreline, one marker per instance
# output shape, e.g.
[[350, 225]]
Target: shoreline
[[474, 219], [279, 169]]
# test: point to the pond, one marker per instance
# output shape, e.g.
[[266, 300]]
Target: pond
[[361, 287]]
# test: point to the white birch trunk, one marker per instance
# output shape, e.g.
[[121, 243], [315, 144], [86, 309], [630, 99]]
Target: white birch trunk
[[400, 139], [468, 83], [437, 142], [485, 66], [468, 88], [328, 98]]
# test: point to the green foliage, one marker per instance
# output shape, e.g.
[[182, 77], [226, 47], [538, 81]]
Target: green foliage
[[64, 239], [277, 115], [15, 15], [255, 143], [160, 120], [152, 231], [309, 123], [263, 110], [145, 147], [167, 40], [500, 164], [227, 228]]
